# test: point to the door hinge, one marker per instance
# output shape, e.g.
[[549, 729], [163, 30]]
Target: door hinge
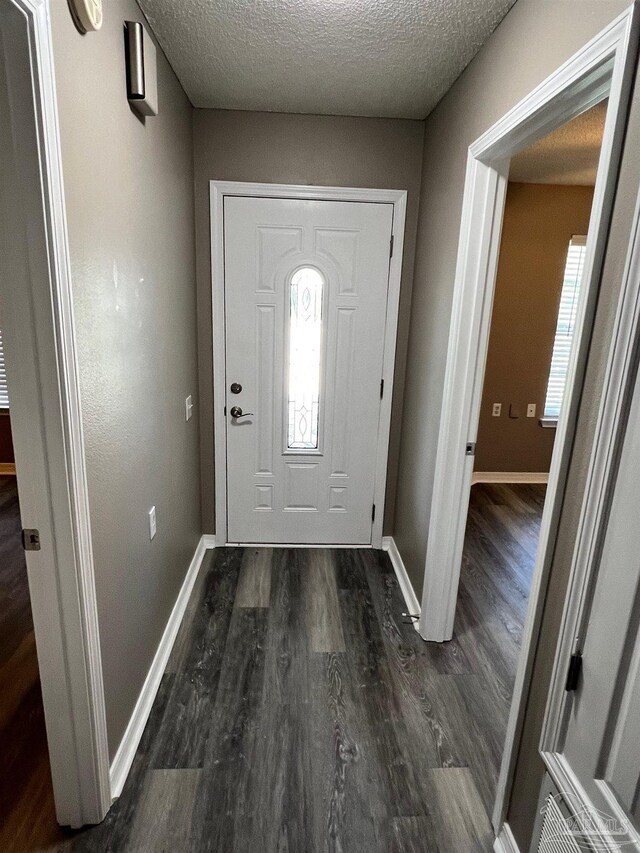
[[470, 448], [391, 246], [225, 411], [381, 388], [31, 540], [373, 513], [573, 674]]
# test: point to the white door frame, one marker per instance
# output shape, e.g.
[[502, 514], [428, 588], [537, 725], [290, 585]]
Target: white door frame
[[220, 189], [604, 67], [42, 370], [619, 382]]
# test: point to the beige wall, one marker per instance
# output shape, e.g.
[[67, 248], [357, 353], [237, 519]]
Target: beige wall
[[534, 39], [299, 149], [539, 221], [129, 194]]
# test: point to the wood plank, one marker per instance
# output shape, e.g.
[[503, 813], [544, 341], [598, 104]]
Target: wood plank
[[183, 733], [223, 799], [383, 742], [254, 584], [184, 638], [380, 721], [460, 820], [321, 602], [293, 740], [418, 688], [164, 816], [413, 835]]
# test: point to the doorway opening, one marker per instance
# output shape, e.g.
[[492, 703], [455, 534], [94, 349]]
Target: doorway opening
[[602, 70], [38, 336], [539, 276], [27, 808]]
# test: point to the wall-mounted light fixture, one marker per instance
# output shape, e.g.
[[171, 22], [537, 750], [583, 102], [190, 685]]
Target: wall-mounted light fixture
[[142, 76], [86, 14]]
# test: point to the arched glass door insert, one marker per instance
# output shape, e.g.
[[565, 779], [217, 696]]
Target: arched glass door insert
[[305, 349]]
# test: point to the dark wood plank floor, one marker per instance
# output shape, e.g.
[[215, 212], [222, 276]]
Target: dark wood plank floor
[[299, 712], [27, 815]]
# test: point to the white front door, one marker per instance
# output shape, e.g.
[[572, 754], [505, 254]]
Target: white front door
[[602, 738], [305, 310]]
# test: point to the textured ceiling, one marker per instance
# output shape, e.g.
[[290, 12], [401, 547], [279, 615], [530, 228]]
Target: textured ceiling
[[392, 58], [569, 155]]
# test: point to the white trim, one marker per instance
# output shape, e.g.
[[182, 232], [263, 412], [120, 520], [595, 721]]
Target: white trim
[[129, 744], [406, 587], [7, 468], [617, 390], [302, 545], [509, 477], [548, 423], [220, 189], [209, 540], [566, 781], [620, 42], [505, 842], [39, 337], [605, 66]]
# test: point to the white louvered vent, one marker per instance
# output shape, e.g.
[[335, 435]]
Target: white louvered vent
[[555, 836], [563, 339], [4, 396]]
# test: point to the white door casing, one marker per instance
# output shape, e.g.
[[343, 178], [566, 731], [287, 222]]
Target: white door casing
[[269, 237], [332, 259], [604, 563], [40, 349], [597, 757]]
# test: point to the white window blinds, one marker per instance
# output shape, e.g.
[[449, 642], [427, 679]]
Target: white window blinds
[[4, 396], [565, 326]]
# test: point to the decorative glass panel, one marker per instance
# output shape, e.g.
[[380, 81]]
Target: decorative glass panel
[[305, 345]]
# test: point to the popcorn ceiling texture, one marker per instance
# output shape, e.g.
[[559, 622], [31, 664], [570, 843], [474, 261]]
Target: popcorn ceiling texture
[[391, 58], [567, 156]]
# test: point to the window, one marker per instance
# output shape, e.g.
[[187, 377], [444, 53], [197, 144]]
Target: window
[[565, 328], [4, 395], [305, 344]]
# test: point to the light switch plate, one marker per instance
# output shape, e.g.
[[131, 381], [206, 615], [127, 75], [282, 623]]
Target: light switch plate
[[531, 410], [188, 408], [152, 522], [496, 410]]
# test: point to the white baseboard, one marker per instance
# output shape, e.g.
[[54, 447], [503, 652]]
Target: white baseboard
[[406, 587], [7, 468], [509, 477], [129, 744], [505, 842], [209, 540]]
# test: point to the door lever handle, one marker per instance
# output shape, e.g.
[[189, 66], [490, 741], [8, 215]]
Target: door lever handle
[[236, 412]]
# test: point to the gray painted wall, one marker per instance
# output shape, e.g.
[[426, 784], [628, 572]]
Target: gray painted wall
[[500, 76], [298, 149], [129, 193]]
